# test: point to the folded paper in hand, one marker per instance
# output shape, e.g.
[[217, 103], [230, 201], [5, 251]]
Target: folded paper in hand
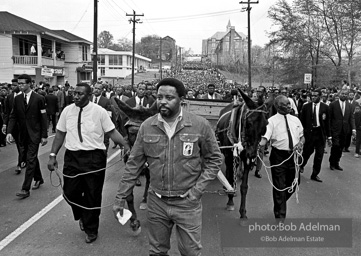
[[126, 216]]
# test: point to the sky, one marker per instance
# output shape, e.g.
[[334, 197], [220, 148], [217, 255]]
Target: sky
[[187, 21]]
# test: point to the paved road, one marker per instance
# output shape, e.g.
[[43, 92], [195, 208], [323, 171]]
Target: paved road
[[55, 232]]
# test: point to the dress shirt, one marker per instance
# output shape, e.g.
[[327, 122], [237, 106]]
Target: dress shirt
[[95, 121], [139, 101], [342, 106], [317, 113], [28, 96], [170, 129], [276, 131]]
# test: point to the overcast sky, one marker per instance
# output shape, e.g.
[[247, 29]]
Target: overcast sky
[[187, 21]]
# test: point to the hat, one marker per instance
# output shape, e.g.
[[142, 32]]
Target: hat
[[179, 86]]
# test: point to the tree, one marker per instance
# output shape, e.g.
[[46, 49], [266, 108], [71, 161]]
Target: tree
[[105, 39], [149, 46], [123, 44]]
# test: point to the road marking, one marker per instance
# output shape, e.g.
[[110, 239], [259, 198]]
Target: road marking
[[17, 232]]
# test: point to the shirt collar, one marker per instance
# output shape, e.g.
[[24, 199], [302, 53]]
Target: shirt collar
[[179, 117]]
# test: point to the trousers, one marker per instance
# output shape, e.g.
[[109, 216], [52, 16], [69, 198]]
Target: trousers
[[282, 177], [85, 190], [185, 214]]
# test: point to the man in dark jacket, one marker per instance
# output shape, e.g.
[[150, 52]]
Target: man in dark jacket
[[29, 113], [316, 124], [52, 107], [341, 124]]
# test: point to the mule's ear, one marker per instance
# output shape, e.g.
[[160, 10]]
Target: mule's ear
[[250, 103]]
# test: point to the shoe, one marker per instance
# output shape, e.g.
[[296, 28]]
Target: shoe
[[81, 225], [346, 150], [138, 183], [257, 174], [332, 167], [90, 238], [18, 170], [338, 168], [357, 155], [23, 193], [302, 169], [316, 179], [37, 184]]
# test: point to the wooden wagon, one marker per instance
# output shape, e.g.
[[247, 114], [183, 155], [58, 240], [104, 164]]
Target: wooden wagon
[[209, 109]]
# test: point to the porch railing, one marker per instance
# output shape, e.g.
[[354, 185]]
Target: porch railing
[[25, 60]]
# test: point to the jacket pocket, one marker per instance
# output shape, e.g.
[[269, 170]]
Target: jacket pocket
[[153, 146], [189, 145]]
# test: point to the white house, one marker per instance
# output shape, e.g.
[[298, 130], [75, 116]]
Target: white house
[[47, 55], [118, 64]]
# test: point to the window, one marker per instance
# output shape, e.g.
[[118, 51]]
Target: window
[[112, 60], [85, 53], [101, 59], [115, 60], [102, 71]]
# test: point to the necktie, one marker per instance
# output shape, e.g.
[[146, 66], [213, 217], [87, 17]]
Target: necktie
[[290, 142], [314, 120], [140, 102], [96, 100], [25, 100], [79, 125]]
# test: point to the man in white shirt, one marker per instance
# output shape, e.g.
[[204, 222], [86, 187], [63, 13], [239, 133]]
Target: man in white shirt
[[83, 125], [285, 133]]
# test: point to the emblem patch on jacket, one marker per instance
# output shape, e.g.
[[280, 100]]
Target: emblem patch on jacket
[[187, 148]]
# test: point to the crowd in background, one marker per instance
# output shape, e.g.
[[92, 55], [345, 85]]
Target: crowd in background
[[196, 79]]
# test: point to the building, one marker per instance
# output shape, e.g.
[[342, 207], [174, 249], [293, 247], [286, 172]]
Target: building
[[118, 64], [47, 55], [225, 47]]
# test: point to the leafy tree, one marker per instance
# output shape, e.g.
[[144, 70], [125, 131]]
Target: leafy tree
[[123, 44], [149, 46], [105, 39]]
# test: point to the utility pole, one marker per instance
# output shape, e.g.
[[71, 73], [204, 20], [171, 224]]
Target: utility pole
[[134, 20], [95, 43], [248, 9], [160, 57]]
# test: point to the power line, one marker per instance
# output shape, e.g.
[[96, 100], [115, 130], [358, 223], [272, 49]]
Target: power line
[[81, 16], [203, 15]]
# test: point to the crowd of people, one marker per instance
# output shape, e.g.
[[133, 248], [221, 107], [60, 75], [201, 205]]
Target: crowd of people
[[86, 117]]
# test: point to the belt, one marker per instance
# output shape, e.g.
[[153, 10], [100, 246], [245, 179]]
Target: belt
[[168, 197]]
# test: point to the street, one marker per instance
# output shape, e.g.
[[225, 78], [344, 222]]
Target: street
[[43, 224]]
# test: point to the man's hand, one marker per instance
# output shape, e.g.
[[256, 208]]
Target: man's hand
[[52, 163], [44, 141], [118, 206], [299, 146], [191, 196], [329, 142], [9, 138]]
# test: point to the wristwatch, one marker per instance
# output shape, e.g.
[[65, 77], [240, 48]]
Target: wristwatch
[[52, 154]]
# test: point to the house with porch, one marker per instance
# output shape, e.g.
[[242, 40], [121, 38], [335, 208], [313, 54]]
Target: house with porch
[[54, 56]]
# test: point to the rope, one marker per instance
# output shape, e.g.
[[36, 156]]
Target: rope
[[296, 154], [59, 174]]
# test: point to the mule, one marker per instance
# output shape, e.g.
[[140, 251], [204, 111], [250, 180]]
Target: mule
[[244, 124], [136, 117]]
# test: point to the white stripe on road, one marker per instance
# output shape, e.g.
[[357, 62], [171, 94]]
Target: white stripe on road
[[11, 237]]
